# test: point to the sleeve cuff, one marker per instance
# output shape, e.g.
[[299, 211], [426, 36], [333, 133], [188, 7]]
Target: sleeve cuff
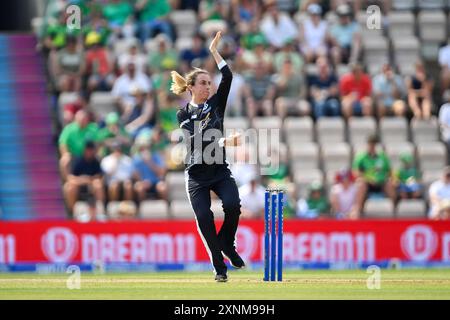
[[221, 64]]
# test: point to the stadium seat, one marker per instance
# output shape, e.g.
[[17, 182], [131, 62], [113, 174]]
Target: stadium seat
[[406, 52], [403, 4], [177, 185], [102, 103], [360, 128], [342, 69], [393, 129], [236, 123], [331, 17], [335, 156], [379, 208], [432, 26], [425, 130], [183, 44], [298, 130], [330, 130], [81, 210], [112, 209], [432, 155], [154, 209], [362, 18], [394, 150], [431, 4], [376, 52], [305, 155], [185, 22], [401, 24], [411, 208], [273, 122], [181, 209], [122, 45], [300, 17]]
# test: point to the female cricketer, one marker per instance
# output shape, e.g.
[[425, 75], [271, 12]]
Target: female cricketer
[[206, 112]]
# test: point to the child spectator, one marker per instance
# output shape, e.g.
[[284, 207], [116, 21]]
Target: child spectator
[[407, 178], [315, 205]]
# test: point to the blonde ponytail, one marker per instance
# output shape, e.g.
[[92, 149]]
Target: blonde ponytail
[[179, 84]]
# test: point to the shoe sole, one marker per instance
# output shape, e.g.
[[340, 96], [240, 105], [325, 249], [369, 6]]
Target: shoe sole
[[236, 267], [222, 280]]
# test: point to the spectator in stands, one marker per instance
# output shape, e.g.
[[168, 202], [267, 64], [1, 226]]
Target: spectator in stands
[[444, 62], [119, 14], [313, 33], [164, 57], [67, 66], [251, 194], [257, 54], [134, 56], [277, 27], [99, 25], [439, 192], [56, 32], [389, 91], [356, 90], [71, 108], [150, 170], [343, 196], [113, 132], [407, 178], [291, 90], [73, 139], [345, 37], [420, 87], [244, 13], [141, 114], [213, 16], [324, 90], [86, 176], [444, 120], [288, 52], [444, 212], [99, 66], [153, 18], [127, 84], [259, 92], [118, 169], [315, 205], [198, 51], [372, 169], [167, 115], [247, 39]]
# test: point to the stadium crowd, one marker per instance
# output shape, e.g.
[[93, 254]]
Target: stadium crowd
[[290, 59]]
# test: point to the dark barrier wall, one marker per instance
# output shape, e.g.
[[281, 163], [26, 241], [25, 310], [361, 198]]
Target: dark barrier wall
[[16, 15]]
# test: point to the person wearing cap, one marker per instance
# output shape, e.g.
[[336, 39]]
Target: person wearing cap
[[407, 178], [257, 54], [113, 131], [99, 64], [343, 196], [86, 176], [390, 92], [277, 26], [372, 169], [67, 66], [251, 194], [288, 52], [439, 192], [127, 84], [118, 169], [313, 34], [316, 204], [356, 91], [344, 37]]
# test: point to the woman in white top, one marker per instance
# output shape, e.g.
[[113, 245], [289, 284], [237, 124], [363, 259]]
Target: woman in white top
[[343, 196], [313, 34]]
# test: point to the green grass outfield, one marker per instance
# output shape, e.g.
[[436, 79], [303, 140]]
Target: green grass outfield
[[348, 284]]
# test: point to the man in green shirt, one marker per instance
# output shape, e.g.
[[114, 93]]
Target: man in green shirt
[[73, 138], [154, 16], [373, 171]]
